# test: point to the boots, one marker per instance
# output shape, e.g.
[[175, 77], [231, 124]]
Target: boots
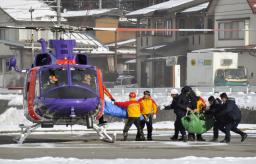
[[125, 135], [191, 137], [214, 139], [140, 137], [149, 136], [199, 138], [226, 140], [183, 138], [174, 138], [243, 137]]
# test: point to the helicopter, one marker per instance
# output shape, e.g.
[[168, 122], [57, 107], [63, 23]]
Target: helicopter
[[61, 88]]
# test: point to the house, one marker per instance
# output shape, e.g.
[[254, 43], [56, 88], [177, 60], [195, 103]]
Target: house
[[118, 42], [159, 51], [236, 21], [23, 43]]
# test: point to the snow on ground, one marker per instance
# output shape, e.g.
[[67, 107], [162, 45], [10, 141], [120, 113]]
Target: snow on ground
[[185, 160], [12, 117]]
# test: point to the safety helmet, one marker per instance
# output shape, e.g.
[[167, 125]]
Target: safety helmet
[[174, 91], [146, 93], [198, 93], [132, 95]]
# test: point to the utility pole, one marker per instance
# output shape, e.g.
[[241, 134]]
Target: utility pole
[[115, 58], [100, 4], [31, 10], [58, 17]]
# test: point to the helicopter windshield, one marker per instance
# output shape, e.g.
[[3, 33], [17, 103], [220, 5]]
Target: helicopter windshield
[[83, 76], [54, 77]]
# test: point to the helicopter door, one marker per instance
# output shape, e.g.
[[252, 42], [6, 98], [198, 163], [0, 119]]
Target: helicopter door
[[31, 91]]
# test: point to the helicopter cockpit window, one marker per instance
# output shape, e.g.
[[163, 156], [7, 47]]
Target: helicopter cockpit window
[[54, 77], [84, 77]]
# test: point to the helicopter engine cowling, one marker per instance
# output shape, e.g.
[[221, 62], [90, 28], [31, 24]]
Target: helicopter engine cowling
[[43, 59]]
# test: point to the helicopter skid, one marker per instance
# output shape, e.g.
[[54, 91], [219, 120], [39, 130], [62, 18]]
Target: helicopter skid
[[25, 132], [103, 135]]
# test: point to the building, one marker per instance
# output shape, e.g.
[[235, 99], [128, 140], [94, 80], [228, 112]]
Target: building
[[159, 51], [121, 43], [236, 21], [23, 43]]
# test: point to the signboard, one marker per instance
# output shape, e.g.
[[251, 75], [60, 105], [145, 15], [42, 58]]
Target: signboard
[[171, 60]]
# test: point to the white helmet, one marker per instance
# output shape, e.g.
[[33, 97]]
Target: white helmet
[[174, 91], [198, 93]]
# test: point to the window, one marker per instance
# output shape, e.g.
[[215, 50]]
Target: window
[[159, 24], [1, 66], [2, 34], [52, 78], [84, 77], [168, 26], [230, 30], [182, 26]]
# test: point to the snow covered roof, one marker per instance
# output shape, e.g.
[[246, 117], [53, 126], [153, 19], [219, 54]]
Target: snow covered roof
[[87, 42], [122, 42], [19, 10], [155, 47], [210, 50], [197, 8], [165, 5], [81, 13]]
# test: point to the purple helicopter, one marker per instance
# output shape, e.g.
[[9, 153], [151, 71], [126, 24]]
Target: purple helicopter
[[62, 89]]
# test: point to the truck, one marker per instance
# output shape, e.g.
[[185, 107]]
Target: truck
[[215, 68]]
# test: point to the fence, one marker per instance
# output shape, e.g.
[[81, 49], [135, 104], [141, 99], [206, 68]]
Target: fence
[[166, 91]]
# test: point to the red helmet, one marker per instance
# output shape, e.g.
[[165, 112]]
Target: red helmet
[[132, 94]]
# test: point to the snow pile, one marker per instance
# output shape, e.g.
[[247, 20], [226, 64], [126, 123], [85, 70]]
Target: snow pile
[[185, 160], [16, 101], [11, 118]]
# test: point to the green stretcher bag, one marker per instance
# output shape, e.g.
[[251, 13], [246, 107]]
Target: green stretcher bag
[[197, 123]]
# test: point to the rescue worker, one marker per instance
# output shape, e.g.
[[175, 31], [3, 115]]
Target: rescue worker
[[52, 77], [215, 108], [200, 107], [134, 112], [186, 102], [173, 105], [149, 109], [232, 115]]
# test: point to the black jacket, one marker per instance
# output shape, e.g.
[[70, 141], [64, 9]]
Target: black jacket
[[173, 105], [183, 102], [215, 109], [231, 111]]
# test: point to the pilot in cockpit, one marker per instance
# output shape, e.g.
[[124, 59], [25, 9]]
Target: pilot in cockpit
[[87, 79], [52, 77]]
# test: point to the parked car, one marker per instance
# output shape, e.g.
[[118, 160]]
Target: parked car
[[126, 81]]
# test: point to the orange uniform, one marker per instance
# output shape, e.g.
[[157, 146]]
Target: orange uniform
[[133, 107], [148, 105], [200, 105]]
